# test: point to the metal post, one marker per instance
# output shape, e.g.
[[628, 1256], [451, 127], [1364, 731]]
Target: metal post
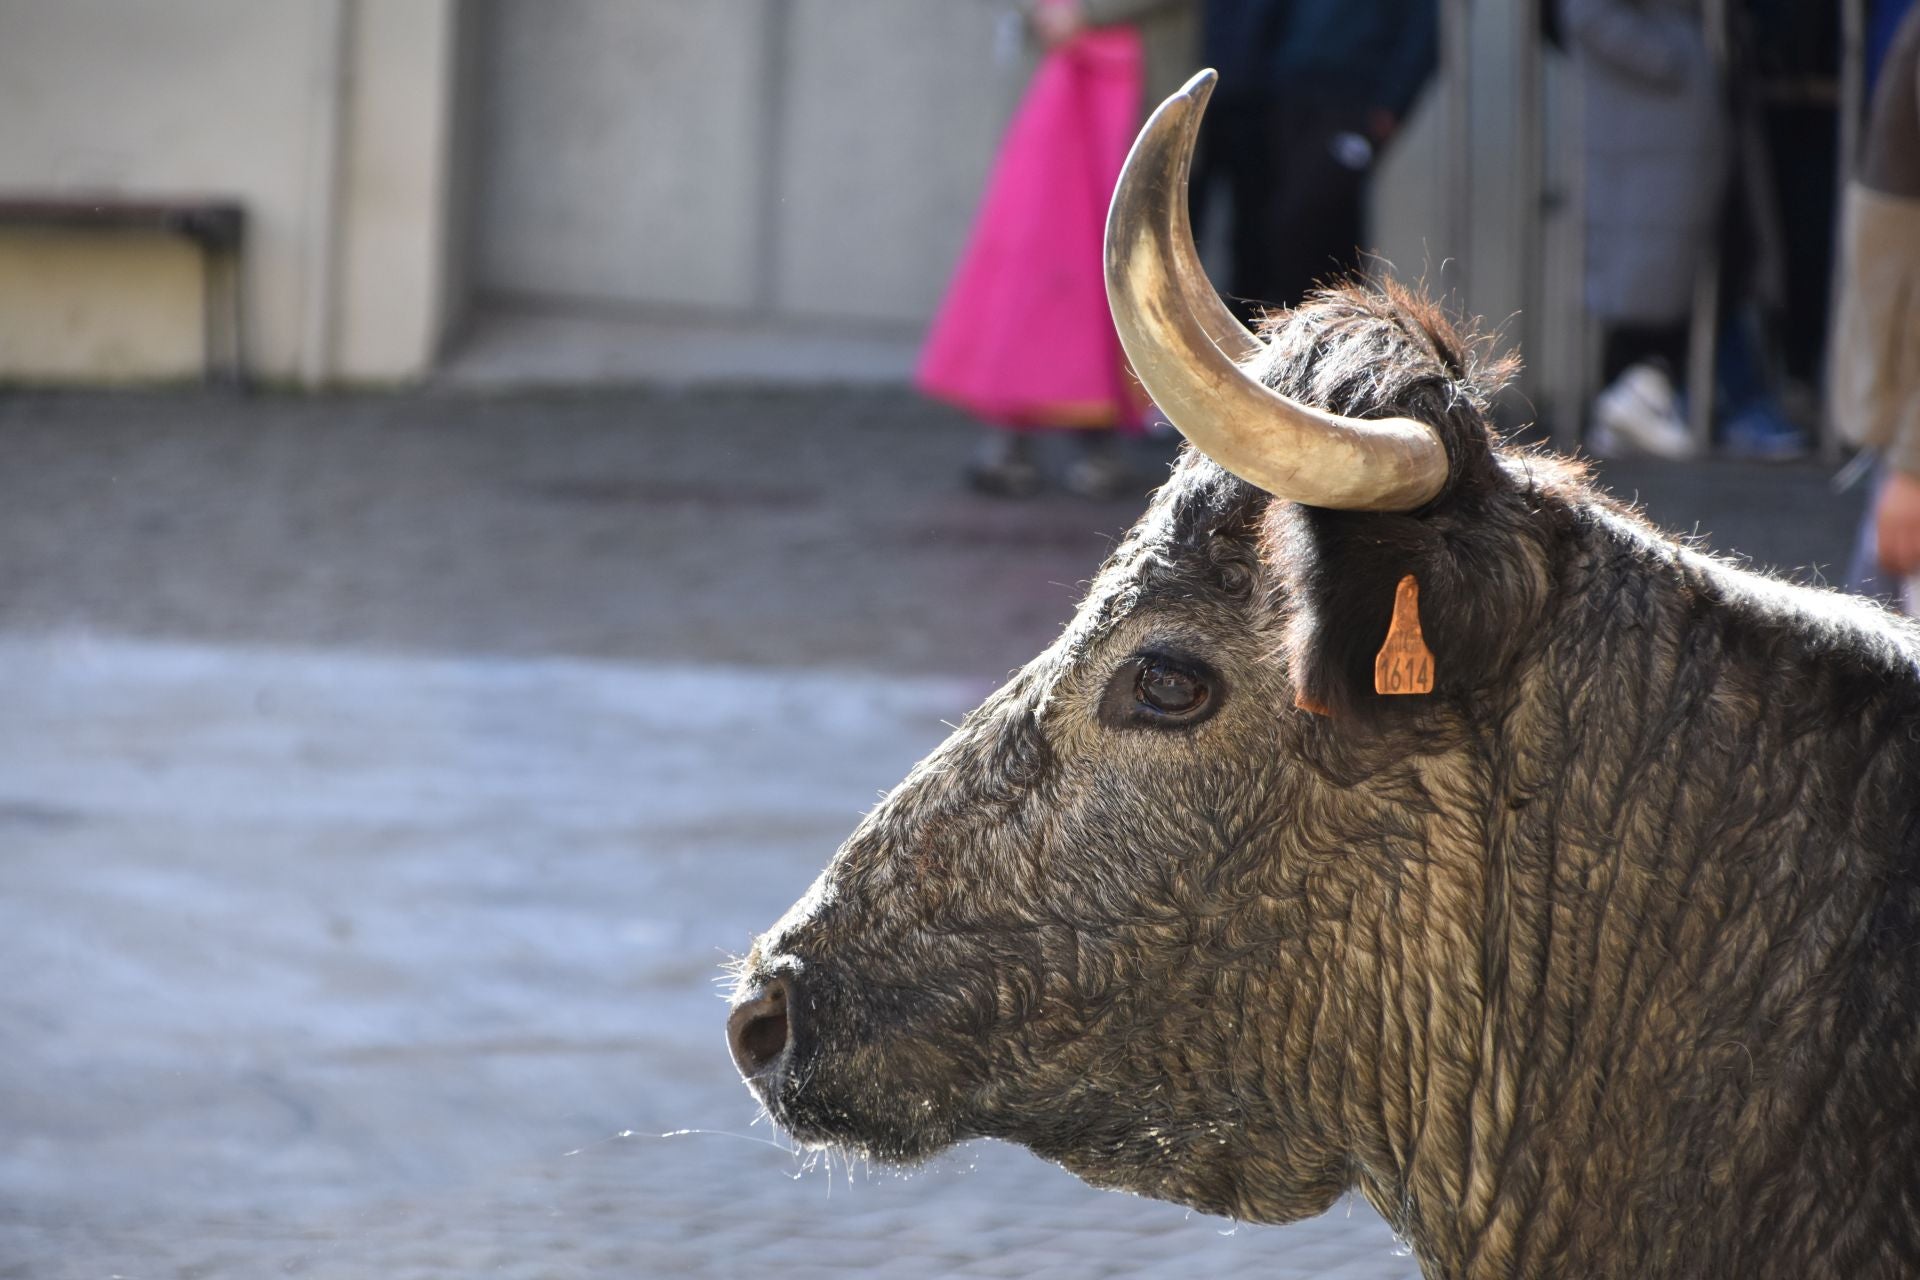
[[1529, 190], [1853, 85], [1582, 346], [236, 310], [326, 127], [1850, 109], [1704, 332], [1456, 61], [223, 314]]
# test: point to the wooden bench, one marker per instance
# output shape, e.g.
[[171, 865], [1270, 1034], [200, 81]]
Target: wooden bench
[[215, 226]]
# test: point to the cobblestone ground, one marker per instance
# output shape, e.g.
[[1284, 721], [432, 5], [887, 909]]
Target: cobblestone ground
[[383, 781]]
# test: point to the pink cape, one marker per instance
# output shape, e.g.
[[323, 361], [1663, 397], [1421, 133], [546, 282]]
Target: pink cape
[[1023, 337]]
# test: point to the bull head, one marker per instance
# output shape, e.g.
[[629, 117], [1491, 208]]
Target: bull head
[[1097, 921], [1148, 915]]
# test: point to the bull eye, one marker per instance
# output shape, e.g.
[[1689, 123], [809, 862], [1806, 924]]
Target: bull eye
[[1170, 690], [1161, 691]]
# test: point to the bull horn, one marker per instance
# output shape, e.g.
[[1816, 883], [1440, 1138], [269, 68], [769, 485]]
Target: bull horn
[[1188, 350]]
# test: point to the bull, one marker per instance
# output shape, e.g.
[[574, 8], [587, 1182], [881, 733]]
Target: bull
[[1598, 954]]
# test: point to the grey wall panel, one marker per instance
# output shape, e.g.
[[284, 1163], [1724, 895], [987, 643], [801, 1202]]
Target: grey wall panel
[[621, 152], [894, 111]]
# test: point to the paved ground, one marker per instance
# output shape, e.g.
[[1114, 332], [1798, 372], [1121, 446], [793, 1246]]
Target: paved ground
[[382, 781], [526, 346]]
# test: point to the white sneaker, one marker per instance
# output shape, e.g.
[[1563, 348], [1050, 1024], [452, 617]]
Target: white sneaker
[[1640, 414]]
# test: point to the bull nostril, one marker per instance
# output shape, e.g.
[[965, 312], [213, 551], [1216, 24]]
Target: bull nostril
[[757, 1029]]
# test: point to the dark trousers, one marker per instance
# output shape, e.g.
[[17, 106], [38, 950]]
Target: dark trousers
[[1295, 179], [1624, 345]]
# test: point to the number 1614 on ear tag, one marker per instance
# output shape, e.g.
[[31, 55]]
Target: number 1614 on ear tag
[[1404, 664]]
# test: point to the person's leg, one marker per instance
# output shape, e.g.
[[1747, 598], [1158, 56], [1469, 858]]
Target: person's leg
[[1250, 156], [1751, 423], [1625, 345], [1004, 465], [1638, 412], [1099, 468], [1319, 213]]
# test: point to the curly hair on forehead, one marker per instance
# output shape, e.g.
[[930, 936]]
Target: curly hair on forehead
[[1370, 348]]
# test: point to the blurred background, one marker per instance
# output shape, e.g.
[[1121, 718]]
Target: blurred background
[[482, 192], [470, 549]]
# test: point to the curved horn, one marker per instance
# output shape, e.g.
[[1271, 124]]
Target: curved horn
[[1187, 349]]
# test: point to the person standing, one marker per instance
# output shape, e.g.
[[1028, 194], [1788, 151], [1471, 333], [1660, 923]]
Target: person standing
[[1023, 339], [1310, 91], [1873, 378], [1167, 36], [1655, 143]]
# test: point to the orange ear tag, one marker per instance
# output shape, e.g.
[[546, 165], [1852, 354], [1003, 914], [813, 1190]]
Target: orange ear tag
[[1404, 664]]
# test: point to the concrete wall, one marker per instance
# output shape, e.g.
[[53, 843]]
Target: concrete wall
[[895, 111], [398, 158], [156, 97], [750, 157], [622, 153], [457, 277], [327, 118], [801, 160]]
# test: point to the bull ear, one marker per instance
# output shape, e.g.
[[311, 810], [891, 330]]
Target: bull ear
[[1477, 557], [1341, 574], [1380, 349]]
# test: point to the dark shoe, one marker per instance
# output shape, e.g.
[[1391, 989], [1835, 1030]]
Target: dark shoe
[[1005, 480], [1102, 476], [1005, 468]]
